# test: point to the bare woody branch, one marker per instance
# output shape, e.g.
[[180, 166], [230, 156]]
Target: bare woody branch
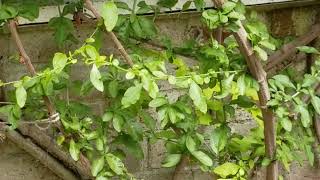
[[290, 49], [256, 69], [114, 38]]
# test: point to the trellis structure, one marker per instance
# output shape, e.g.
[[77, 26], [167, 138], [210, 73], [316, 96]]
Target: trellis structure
[[254, 65]]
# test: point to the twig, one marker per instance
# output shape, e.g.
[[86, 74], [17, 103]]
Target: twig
[[82, 166], [256, 69], [27, 61], [114, 38], [52, 119]]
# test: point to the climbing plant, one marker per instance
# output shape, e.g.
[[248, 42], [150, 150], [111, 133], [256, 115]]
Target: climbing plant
[[196, 126]]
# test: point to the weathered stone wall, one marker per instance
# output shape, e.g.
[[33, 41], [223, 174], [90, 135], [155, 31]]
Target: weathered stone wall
[[40, 45]]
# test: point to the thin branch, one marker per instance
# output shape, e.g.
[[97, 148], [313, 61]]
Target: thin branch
[[52, 119], [114, 38], [27, 61], [290, 49], [219, 35], [256, 69], [82, 166], [285, 64]]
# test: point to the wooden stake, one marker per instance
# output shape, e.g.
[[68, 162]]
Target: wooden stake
[[256, 69], [114, 38]]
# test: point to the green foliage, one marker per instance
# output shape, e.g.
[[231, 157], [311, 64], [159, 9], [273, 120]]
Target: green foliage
[[209, 93], [228, 16], [109, 13]]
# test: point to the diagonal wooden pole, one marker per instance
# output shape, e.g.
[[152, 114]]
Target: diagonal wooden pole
[[40, 137], [125, 55], [256, 69], [26, 60], [290, 49]]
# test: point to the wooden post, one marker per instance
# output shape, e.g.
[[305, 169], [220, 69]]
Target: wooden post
[[256, 69]]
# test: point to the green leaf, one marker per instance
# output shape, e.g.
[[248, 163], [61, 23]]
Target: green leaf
[[202, 157], [97, 166], [226, 169], [69, 9], [200, 4], [74, 150], [118, 122], [241, 84], [167, 3], [115, 164], [305, 116], [171, 160], [158, 102], [310, 154], [167, 134], [308, 50], [130, 75], [109, 13], [132, 146], [268, 45], [95, 78], [228, 6], [123, 5], [7, 12], [265, 162], [218, 139], [315, 100], [28, 9], [91, 52], [107, 116], [101, 178], [63, 29], [113, 88], [172, 115], [131, 96], [205, 119], [59, 61], [283, 80], [148, 120], [286, 124], [21, 96], [191, 144], [196, 95], [308, 80], [147, 26], [243, 101], [226, 87], [262, 54], [186, 5]]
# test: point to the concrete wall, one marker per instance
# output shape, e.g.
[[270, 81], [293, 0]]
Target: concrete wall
[[16, 164]]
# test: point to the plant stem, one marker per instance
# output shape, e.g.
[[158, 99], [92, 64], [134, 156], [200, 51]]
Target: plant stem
[[134, 6], [256, 69], [114, 38]]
